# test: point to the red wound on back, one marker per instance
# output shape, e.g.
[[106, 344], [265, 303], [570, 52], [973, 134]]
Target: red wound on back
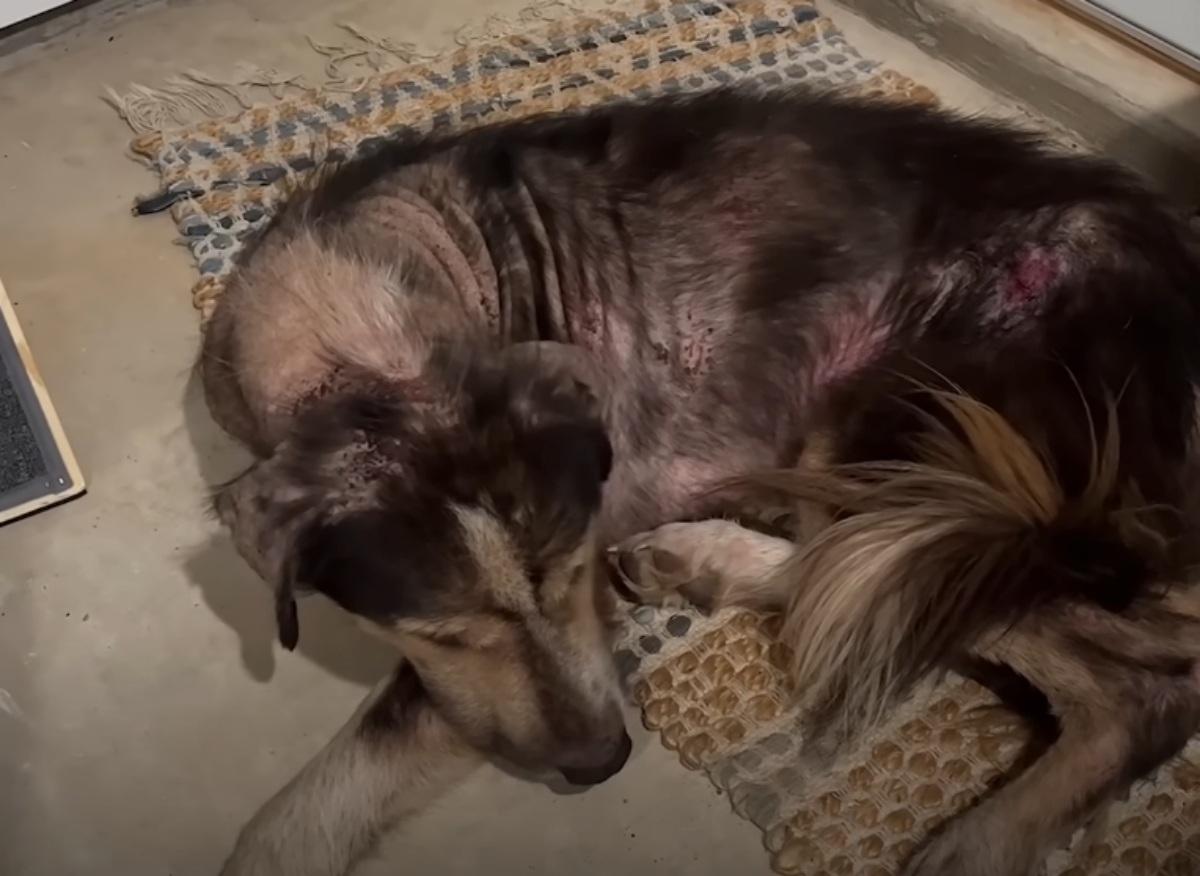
[[1036, 269]]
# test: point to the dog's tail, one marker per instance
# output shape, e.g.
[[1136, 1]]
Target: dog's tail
[[925, 556]]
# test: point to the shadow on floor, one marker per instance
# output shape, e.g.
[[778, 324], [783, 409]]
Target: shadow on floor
[[236, 595]]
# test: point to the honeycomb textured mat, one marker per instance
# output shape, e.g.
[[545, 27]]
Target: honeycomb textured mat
[[713, 688], [716, 692]]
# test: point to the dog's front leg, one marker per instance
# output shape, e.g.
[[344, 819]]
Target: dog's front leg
[[390, 760], [711, 563]]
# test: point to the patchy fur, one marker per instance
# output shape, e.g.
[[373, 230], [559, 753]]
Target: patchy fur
[[738, 282], [463, 531]]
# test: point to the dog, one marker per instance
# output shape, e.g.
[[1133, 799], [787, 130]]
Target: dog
[[483, 371]]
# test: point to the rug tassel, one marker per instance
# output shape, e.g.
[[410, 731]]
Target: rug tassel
[[196, 96], [497, 26], [377, 53], [177, 103], [249, 76]]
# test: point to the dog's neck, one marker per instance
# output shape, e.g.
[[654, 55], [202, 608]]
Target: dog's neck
[[440, 241], [499, 251], [530, 293]]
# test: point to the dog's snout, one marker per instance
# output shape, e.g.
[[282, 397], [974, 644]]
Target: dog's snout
[[606, 761]]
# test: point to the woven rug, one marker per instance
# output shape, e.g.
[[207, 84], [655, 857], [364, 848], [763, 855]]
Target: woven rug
[[712, 686]]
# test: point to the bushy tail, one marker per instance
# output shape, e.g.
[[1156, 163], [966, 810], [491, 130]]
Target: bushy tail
[[925, 556]]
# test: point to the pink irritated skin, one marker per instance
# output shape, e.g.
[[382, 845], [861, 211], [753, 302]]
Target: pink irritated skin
[[854, 337], [1036, 271]]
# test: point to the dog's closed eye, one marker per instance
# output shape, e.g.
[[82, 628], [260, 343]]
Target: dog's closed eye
[[555, 596], [476, 632], [451, 640]]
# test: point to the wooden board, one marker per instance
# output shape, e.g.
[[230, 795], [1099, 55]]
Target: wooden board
[[63, 478], [1166, 53], [15, 11]]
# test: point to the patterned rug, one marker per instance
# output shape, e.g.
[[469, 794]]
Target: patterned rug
[[713, 687]]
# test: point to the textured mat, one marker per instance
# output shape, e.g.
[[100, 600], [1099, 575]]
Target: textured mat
[[712, 687]]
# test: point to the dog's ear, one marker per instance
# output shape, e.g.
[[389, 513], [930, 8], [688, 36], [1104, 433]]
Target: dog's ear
[[565, 465], [287, 617], [263, 513], [565, 361], [547, 400], [564, 438], [575, 454]]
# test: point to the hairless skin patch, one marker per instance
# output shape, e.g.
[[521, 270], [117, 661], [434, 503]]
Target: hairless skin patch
[[1036, 270]]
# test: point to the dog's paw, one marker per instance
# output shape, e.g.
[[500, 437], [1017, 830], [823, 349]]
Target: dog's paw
[[664, 566]]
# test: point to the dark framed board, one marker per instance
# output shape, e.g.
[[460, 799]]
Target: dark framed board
[[37, 467]]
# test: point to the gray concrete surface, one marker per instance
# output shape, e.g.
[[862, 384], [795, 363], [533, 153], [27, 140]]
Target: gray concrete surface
[[1107, 94], [145, 711]]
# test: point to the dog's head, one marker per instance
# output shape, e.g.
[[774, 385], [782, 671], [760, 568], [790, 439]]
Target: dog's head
[[461, 527]]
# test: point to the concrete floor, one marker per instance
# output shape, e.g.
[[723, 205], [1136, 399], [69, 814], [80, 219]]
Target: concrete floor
[[145, 711]]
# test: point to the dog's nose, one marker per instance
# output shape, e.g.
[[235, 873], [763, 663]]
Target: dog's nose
[[606, 766]]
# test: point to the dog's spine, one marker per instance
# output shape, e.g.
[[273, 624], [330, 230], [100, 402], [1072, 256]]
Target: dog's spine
[[926, 556]]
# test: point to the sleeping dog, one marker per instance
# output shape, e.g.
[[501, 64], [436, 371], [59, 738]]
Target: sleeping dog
[[957, 368]]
